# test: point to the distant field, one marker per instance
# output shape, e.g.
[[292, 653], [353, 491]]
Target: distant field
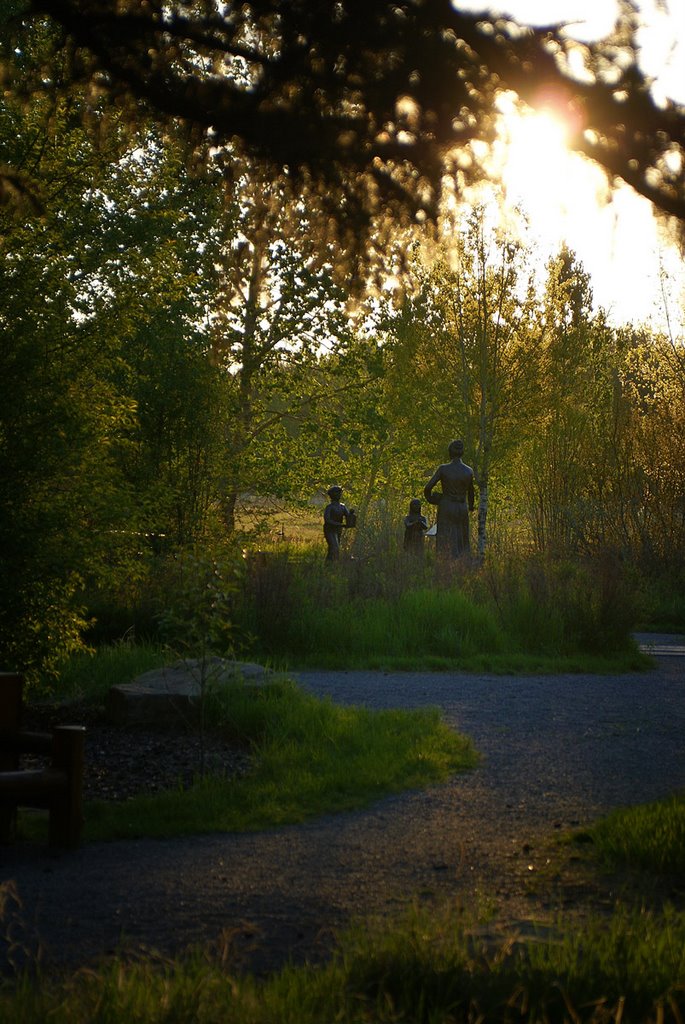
[[281, 524]]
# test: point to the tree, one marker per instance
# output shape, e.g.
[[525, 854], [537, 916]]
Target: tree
[[373, 106], [652, 483], [62, 495], [555, 460], [159, 229], [275, 308], [581, 462], [106, 427]]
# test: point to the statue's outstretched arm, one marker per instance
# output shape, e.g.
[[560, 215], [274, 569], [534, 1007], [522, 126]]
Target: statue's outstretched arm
[[428, 489]]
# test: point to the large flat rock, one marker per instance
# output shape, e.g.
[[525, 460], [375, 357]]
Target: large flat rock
[[170, 696]]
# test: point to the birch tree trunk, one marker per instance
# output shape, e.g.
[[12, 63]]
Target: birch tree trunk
[[482, 517]]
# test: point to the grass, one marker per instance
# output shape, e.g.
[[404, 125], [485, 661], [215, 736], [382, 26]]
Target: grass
[[650, 837], [90, 674], [512, 613], [310, 757], [417, 624], [426, 965], [662, 604], [506, 663], [515, 615], [423, 968]]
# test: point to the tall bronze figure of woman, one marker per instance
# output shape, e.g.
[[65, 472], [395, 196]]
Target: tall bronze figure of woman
[[454, 503]]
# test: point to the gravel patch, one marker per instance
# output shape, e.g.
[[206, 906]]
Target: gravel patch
[[127, 761], [557, 752]]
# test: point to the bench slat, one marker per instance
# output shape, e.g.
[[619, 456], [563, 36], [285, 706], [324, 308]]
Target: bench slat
[[25, 742], [33, 784]]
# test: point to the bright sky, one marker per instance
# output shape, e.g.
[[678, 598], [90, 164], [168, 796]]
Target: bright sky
[[618, 242]]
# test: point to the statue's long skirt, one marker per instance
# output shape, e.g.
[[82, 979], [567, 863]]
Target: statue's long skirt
[[453, 528]]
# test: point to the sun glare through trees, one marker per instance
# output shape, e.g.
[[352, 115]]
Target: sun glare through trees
[[565, 198], [634, 263]]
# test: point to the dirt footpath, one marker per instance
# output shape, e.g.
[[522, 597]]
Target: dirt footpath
[[558, 751]]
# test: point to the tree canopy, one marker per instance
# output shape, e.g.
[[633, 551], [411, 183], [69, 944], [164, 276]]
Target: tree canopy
[[375, 106]]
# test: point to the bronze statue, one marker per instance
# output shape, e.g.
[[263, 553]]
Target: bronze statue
[[415, 526], [336, 518], [454, 503]]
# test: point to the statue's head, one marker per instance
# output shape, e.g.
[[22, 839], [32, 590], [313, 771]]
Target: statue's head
[[456, 449], [334, 492], [415, 505]]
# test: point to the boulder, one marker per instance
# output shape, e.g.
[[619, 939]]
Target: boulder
[[170, 696]]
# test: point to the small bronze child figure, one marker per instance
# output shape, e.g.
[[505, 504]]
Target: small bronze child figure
[[415, 526], [336, 518]]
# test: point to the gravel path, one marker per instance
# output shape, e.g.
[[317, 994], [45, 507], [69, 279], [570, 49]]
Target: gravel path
[[558, 751]]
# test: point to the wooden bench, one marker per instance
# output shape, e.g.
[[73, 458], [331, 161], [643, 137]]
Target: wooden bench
[[57, 788]]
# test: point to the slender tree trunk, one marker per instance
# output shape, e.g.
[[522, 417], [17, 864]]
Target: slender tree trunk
[[365, 503], [240, 435], [228, 508], [482, 517]]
